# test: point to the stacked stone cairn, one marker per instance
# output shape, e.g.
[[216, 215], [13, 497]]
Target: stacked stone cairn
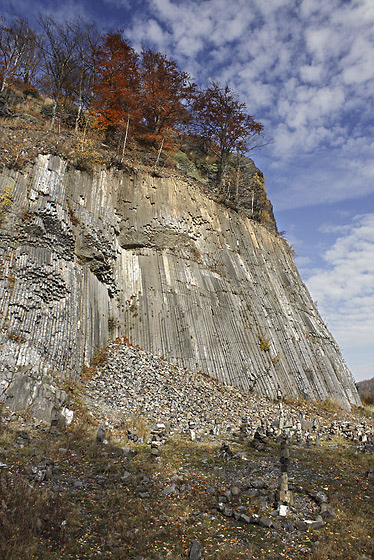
[[132, 435], [259, 439], [192, 429], [158, 438], [225, 452], [284, 497], [243, 430]]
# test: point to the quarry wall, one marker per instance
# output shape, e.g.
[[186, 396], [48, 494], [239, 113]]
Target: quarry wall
[[87, 257]]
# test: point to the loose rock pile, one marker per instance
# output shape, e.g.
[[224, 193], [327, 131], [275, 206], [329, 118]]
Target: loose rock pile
[[134, 381]]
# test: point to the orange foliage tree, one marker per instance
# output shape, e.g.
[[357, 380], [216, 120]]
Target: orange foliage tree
[[165, 96], [117, 85]]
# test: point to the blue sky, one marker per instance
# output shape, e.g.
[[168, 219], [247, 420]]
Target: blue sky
[[305, 69]]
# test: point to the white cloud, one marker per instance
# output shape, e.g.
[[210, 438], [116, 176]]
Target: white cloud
[[312, 73], [345, 289]]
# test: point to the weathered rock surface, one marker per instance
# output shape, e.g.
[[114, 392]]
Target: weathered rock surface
[[85, 257]]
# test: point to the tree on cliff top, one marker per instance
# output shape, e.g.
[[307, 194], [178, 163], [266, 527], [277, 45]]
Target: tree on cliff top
[[17, 45], [117, 86], [58, 54], [223, 122], [165, 94]]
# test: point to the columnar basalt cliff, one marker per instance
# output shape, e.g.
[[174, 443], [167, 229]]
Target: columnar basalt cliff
[[89, 257]]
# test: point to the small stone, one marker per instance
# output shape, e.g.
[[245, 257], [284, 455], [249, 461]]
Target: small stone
[[288, 526], [126, 475], [258, 483], [195, 551], [321, 497], [265, 522], [235, 491], [317, 524], [100, 436], [169, 490], [301, 525], [327, 512]]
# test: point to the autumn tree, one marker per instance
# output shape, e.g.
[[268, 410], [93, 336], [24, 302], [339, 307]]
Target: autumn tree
[[117, 87], [222, 120], [165, 95]]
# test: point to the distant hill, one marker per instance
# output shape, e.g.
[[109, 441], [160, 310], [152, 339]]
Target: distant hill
[[366, 390]]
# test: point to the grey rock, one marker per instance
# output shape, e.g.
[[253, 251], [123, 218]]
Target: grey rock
[[327, 512], [235, 491], [100, 436], [195, 551], [318, 523], [288, 526], [321, 497], [169, 490], [227, 512], [265, 522], [258, 483]]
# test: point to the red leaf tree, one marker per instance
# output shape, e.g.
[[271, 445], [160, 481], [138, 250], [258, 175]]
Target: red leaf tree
[[117, 86], [165, 96]]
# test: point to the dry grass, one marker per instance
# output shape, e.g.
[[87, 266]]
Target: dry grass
[[28, 515], [122, 517]]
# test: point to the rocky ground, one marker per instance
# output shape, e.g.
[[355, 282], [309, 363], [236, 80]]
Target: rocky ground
[[160, 463]]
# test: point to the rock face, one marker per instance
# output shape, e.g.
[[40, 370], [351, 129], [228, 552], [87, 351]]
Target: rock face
[[89, 257]]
